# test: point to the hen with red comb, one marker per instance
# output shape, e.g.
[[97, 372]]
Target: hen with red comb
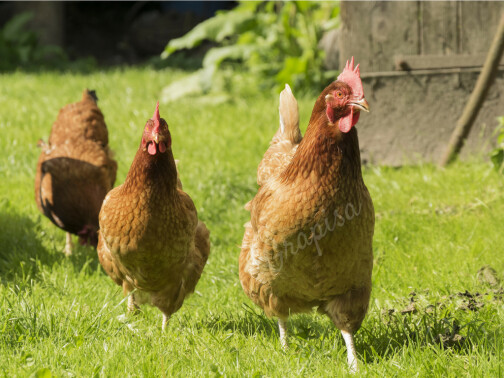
[[345, 98], [309, 240], [156, 137], [351, 76], [150, 237]]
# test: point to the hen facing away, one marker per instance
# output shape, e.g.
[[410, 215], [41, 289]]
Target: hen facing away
[[309, 240], [76, 170], [150, 237]]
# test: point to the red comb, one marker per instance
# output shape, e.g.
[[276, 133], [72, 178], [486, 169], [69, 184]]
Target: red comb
[[156, 118], [351, 76]]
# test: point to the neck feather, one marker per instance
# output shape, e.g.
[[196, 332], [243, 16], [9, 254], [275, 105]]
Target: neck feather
[[326, 151], [157, 173]]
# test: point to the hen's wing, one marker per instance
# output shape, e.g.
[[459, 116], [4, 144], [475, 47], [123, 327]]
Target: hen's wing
[[108, 263], [198, 257], [284, 143], [71, 182]]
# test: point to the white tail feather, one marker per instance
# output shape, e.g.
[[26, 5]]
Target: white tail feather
[[289, 115]]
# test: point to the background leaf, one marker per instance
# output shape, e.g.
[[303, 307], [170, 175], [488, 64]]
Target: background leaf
[[216, 29], [276, 42], [14, 28]]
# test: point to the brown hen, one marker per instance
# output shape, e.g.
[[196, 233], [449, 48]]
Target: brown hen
[[309, 239], [150, 237], [76, 170]]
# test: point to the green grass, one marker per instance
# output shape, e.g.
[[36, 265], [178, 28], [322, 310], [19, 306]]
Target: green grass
[[435, 229]]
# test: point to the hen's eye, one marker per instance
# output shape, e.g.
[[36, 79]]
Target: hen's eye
[[339, 94]]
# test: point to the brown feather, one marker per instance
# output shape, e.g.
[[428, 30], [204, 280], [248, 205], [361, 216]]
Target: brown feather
[[309, 241], [75, 169], [150, 236]]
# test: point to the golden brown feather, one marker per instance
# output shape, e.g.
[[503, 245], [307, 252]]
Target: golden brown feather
[[150, 237], [75, 170], [309, 240]]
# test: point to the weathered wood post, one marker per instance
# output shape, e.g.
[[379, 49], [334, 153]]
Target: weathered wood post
[[420, 61]]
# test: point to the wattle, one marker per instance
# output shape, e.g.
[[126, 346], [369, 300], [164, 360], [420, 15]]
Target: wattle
[[151, 148], [162, 147], [346, 122]]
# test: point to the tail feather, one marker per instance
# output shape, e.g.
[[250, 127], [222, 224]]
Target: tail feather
[[89, 93], [284, 143], [289, 117]]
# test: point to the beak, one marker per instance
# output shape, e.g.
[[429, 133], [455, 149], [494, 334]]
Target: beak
[[361, 104], [155, 138]]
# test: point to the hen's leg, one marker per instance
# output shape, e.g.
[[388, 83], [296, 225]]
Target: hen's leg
[[132, 306], [351, 353], [282, 327], [68, 245], [166, 319], [347, 312]]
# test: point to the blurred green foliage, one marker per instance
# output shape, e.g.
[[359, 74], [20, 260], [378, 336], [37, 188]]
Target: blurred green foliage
[[20, 48], [497, 155], [277, 42]]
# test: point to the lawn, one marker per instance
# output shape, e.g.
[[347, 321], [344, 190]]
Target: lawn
[[431, 313]]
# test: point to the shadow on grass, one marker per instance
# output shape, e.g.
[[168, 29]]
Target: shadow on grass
[[20, 248], [22, 252], [456, 330], [83, 258], [253, 320], [89, 65], [248, 323]]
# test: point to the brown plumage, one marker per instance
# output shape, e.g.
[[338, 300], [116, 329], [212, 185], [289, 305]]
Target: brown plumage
[[150, 236], [76, 170], [309, 239]]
